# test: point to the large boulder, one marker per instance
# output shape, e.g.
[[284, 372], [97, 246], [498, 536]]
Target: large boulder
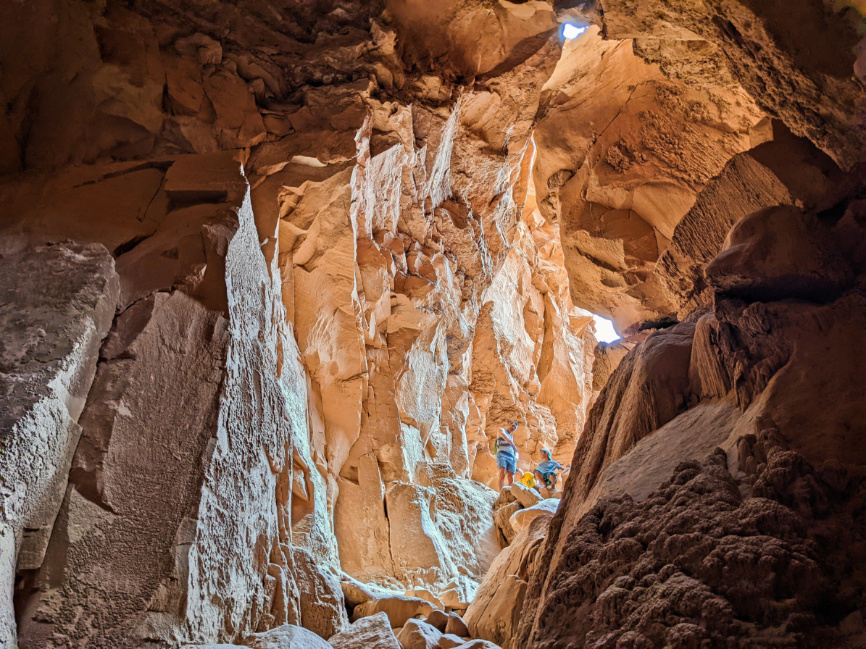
[[416, 634], [456, 626], [503, 521], [505, 497], [459, 593], [438, 619], [526, 496], [356, 592], [373, 632], [521, 519], [448, 623], [779, 253], [449, 641], [398, 608], [287, 636]]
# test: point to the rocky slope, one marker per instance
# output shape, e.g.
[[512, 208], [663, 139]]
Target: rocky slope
[[741, 384], [741, 378], [697, 564]]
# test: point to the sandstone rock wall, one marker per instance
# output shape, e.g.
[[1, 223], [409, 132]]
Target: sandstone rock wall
[[170, 527], [646, 171], [803, 64], [430, 308], [348, 239], [696, 562], [781, 272], [333, 286], [54, 316]]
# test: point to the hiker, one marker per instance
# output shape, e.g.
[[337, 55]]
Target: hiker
[[546, 471], [506, 455]]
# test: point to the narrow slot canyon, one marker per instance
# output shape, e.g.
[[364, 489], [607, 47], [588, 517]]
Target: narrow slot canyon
[[288, 288]]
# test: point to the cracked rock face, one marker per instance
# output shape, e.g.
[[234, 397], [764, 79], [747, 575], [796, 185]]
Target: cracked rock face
[[333, 287], [55, 312], [275, 274]]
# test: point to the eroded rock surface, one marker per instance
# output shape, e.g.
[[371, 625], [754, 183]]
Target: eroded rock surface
[[349, 240], [56, 305], [495, 614], [769, 296], [371, 632], [696, 563]]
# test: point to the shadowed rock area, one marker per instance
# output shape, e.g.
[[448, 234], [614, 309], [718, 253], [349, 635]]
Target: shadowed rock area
[[697, 564], [274, 276]]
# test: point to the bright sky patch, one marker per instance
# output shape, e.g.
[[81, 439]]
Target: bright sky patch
[[604, 331], [570, 31]]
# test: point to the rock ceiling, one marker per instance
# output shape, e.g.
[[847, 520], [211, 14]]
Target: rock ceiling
[[276, 272]]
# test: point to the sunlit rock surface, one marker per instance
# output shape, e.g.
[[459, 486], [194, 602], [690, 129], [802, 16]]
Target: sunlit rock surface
[[348, 241], [330, 298]]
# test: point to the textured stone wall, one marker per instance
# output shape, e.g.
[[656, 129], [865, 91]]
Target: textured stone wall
[[332, 287], [276, 272], [57, 305]]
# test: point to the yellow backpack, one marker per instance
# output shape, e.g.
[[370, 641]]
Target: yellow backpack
[[528, 480]]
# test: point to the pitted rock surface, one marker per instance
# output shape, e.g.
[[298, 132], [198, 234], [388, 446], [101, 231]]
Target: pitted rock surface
[[697, 564]]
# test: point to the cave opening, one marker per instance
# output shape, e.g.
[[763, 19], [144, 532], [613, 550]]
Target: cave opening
[[605, 332], [571, 31], [275, 276]]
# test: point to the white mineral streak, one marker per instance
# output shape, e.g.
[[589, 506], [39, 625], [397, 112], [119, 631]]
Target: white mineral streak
[[241, 557]]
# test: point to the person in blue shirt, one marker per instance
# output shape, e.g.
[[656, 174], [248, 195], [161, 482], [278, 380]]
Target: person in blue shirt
[[545, 472], [506, 455]]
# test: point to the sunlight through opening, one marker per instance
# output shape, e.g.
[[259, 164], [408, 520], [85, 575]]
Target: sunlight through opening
[[570, 31], [604, 331]]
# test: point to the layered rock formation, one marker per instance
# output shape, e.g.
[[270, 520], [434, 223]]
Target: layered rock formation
[[743, 371], [744, 359], [656, 171], [332, 286], [275, 273]]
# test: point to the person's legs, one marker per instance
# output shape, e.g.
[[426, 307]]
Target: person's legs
[[510, 468], [504, 462]]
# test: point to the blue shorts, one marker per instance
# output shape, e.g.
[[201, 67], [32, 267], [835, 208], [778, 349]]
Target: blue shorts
[[506, 461], [549, 478]]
